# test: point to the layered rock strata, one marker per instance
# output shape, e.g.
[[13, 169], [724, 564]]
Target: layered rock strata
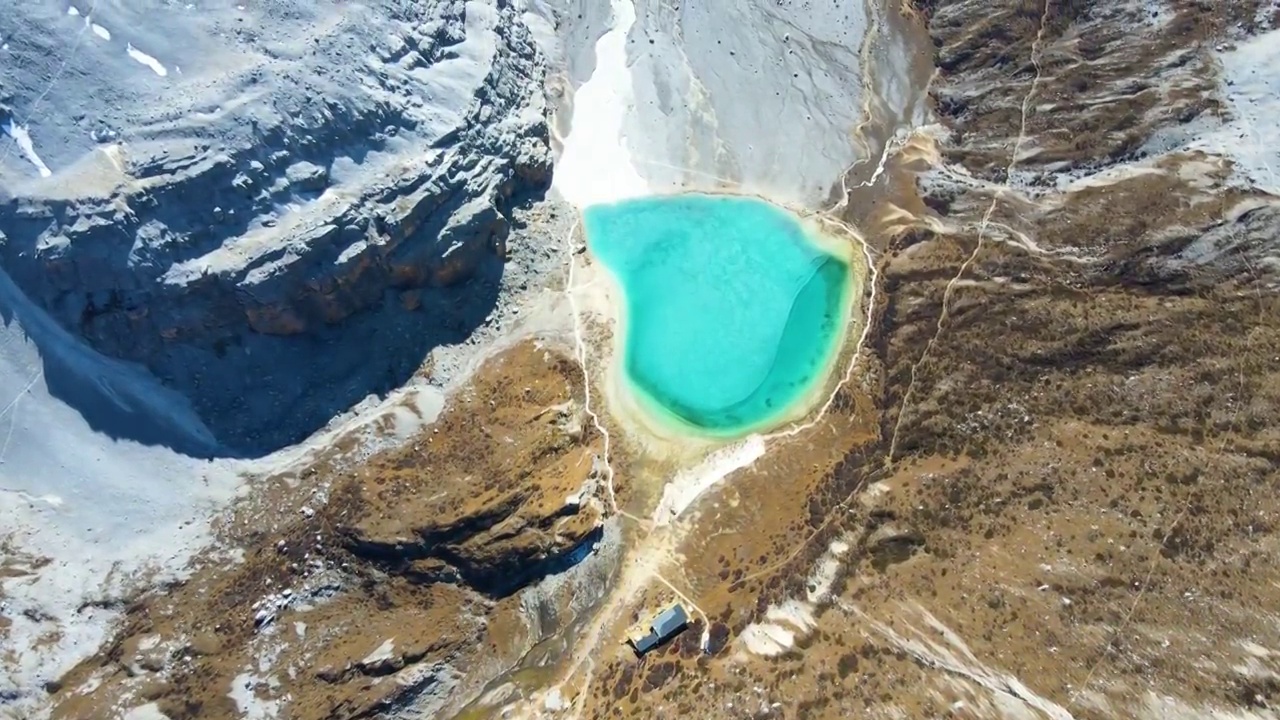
[[320, 189]]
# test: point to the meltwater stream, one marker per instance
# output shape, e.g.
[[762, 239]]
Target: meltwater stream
[[733, 310]]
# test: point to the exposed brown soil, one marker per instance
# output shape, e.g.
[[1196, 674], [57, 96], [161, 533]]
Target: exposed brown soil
[[1065, 503], [421, 546]]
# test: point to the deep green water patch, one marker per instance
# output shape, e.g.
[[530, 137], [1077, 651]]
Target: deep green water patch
[[733, 310]]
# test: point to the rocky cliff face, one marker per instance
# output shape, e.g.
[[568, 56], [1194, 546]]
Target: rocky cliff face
[[319, 187], [509, 501]]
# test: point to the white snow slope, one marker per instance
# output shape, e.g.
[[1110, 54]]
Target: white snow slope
[[748, 97], [82, 514]]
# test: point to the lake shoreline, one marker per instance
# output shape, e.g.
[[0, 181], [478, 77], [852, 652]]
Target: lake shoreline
[[671, 420]]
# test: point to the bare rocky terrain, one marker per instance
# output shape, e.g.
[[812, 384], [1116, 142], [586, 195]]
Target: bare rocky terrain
[[302, 181], [1046, 489]]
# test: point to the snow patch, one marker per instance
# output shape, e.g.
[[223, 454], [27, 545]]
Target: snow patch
[[553, 702], [106, 35], [825, 573], [251, 707], [384, 652], [688, 484], [23, 139], [767, 640], [794, 612], [772, 638], [147, 60], [940, 647], [1252, 92], [88, 515], [1156, 13], [150, 711], [595, 164]]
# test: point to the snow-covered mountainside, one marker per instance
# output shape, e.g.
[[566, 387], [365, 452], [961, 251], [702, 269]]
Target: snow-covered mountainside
[[293, 184], [761, 98]]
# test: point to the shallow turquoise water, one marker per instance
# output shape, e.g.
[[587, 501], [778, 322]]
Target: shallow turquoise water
[[732, 312]]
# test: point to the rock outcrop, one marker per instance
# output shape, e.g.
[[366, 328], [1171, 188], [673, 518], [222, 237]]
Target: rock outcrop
[[312, 199], [511, 500], [404, 583]]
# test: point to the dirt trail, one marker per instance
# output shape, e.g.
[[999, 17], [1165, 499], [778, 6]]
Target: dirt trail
[[1049, 491]]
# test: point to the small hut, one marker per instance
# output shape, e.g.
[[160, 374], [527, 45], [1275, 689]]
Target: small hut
[[663, 627]]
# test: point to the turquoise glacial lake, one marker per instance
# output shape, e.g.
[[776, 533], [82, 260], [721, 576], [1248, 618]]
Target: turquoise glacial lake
[[733, 310]]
